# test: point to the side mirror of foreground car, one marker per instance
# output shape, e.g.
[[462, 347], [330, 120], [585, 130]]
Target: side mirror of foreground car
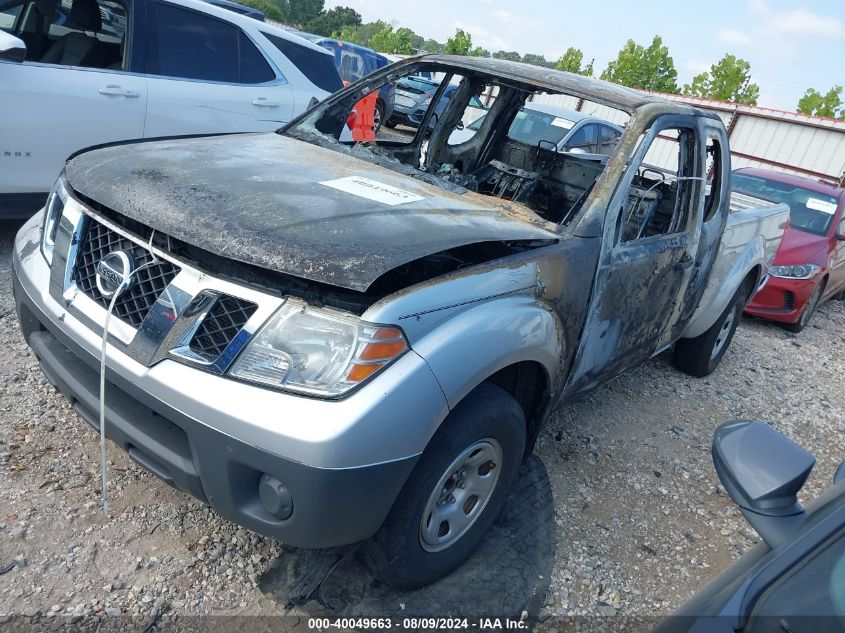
[[762, 471], [11, 48], [840, 237]]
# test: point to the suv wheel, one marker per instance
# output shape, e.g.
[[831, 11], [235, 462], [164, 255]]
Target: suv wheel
[[454, 494], [378, 116], [700, 356]]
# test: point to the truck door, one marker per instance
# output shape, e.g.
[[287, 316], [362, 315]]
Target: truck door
[[649, 252]]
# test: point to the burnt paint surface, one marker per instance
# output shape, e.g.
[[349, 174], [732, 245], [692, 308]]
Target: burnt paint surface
[[257, 199], [642, 297]]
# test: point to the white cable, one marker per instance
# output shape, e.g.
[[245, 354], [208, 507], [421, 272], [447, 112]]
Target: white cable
[[103, 447]]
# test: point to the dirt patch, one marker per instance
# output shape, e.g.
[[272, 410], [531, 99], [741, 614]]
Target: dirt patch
[[640, 521]]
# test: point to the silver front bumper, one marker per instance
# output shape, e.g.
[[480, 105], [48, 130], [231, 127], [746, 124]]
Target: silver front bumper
[[389, 419]]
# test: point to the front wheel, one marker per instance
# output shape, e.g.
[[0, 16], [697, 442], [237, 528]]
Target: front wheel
[[454, 494], [701, 355], [807, 312]]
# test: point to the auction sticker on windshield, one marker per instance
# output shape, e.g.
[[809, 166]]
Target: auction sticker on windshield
[[821, 205], [372, 190]]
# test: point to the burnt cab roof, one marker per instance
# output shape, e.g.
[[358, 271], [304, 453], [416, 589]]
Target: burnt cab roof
[[548, 79]]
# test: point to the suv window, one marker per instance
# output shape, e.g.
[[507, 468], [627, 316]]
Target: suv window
[[318, 67], [53, 37], [8, 14], [191, 45], [352, 67], [584, 140], [607, 140]]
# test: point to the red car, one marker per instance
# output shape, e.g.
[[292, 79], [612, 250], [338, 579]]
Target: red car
[[809, 266]]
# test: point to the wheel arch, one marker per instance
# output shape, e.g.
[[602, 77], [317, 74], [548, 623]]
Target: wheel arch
[[529, 384], [752, 282]]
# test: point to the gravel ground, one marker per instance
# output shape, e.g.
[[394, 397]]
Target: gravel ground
[[641, 520]]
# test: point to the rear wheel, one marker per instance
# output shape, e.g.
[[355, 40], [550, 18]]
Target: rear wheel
[[454, 494], [700, 356], [809, 309], [378, 116]]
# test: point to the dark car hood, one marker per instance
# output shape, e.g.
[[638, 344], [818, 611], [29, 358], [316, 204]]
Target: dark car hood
[[259, 199], [801, 247]]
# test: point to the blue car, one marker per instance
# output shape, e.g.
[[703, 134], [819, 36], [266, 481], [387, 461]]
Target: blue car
[[354, 62]]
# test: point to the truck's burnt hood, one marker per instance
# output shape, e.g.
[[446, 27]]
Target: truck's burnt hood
[[259, 199]]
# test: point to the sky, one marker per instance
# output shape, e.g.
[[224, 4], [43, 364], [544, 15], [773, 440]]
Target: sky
[[791, 45]]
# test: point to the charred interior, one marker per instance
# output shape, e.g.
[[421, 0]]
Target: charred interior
[[531, 169]]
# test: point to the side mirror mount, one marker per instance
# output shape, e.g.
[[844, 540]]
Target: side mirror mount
[[762, 471], [460, 125], [12, 48]]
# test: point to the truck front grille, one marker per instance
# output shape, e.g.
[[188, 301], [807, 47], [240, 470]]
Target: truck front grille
[[223, 322], [148, 282]]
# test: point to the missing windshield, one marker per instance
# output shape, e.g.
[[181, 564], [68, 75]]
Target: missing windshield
[[465, 130]]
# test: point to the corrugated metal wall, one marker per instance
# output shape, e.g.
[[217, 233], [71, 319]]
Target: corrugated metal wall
[[760, 137]]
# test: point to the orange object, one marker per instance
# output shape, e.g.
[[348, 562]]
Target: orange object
[[361, 372], [362, 118]]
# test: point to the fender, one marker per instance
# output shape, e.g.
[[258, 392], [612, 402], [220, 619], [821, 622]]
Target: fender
[[724, 284], [484, 338], [472, 323]]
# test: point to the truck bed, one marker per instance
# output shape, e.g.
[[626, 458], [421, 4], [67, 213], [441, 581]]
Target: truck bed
[[742, 202], [755, 226]]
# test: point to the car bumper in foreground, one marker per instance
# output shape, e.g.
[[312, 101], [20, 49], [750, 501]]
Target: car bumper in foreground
[[781, 299]]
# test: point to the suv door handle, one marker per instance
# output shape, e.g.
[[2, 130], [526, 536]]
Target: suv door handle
[[685, 263], [264, 102], [116, 91]]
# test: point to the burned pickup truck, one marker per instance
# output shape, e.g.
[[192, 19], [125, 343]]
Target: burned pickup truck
[[334, 342]]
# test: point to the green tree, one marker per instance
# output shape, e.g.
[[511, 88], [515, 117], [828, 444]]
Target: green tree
[[727, 80], [512, 56], [333, 20], [536, 60], [431, 46], [571, 60], [459, 44], [828, 104], [387, 40], [360, 34], [274, 10], [649, 68], [301, 12]]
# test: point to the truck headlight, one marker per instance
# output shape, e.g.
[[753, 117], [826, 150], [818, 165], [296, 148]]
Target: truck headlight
[[317, 352], [52, 215], [795, 271]]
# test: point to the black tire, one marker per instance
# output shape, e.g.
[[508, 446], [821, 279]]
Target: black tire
[[396, 555], [378, 116], [809, 309], [391, 124], [700, 356]]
